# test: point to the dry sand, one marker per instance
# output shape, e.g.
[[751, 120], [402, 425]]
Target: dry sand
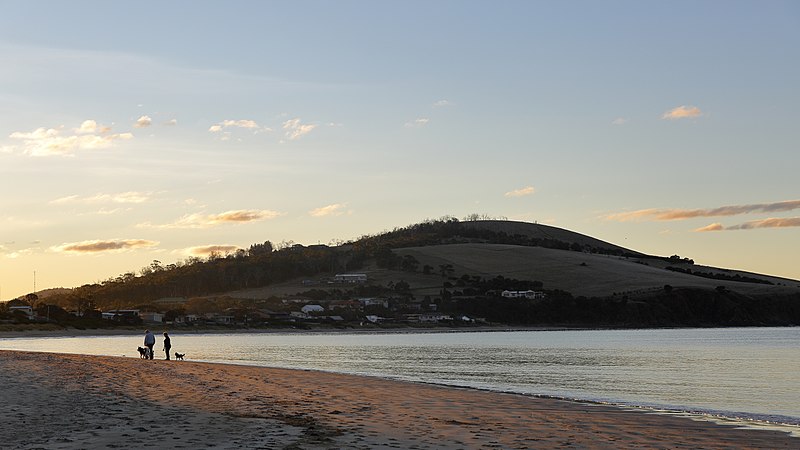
[[57, 401]]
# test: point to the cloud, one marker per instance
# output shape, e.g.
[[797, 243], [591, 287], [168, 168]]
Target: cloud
[[242, 123], [682, 214], [212, 220], [143, 122], [98, 246], [294, 129], [15, 254], [330, 210], [417, 123], [50, 141], [712, 227], [441, 103], [122, 197], [682, 112], [208, 250], [619, 121], [91, 127], [171, 122], [528, 190], [768, 223]]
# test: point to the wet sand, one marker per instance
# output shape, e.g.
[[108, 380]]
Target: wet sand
[[59, 401]]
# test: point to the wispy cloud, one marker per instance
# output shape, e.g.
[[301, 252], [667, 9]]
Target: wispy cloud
[[212, 220], [143, 122], [619, 121], [772, 222], [208, 250], [417, 123], [13, 254], [441, 103], [52, 141], [682, 214], [713, 227], [682, 112], [330, 210], [171, 122], [528, 190], [242, 123], [122, 197], [294, 129], [99, 246]]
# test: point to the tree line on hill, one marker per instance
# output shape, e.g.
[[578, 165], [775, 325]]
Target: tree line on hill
[[263, 264]]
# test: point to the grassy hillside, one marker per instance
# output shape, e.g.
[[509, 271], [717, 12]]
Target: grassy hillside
[[579, 273]]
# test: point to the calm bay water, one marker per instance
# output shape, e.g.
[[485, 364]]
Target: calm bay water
[[742, 373]]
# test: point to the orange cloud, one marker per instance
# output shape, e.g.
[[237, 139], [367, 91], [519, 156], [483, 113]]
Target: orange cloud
[[527, 190], [712, 227], [768, 223], [97, 246], [330, 210], [682, 112], [206, 221], [50, 141], [682, 214]]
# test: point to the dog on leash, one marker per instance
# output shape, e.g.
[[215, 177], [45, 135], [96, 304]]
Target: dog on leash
[[143, 352], [179, 356]]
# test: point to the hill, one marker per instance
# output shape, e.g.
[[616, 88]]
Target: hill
[[457, 267]]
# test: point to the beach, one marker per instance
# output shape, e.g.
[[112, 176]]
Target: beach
[[64, 401]]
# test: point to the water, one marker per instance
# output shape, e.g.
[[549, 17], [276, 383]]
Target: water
[[745, 374]]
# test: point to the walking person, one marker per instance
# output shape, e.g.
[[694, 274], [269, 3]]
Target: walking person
[[149, 342], [167, 344]]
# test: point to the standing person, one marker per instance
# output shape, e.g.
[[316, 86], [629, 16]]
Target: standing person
[[149, 342], [167, 344]]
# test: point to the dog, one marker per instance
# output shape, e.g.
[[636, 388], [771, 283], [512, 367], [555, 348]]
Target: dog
[[179, 356], [143, 352]]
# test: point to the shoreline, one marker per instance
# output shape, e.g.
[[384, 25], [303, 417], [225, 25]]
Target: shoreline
[[75, 332], [91, 400]]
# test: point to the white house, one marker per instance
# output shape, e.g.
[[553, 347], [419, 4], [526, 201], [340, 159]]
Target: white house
[[433, 317], [523, 294], [152, 317], [27, 310], [350, 278], [371, 301], [312, 308]]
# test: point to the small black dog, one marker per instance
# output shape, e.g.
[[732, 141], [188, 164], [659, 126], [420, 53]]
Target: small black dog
[[143, 352], [179, 356]]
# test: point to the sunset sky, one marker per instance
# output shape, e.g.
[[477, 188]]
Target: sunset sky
[[164, 130]]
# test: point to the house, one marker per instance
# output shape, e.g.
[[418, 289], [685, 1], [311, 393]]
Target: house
[[187, 319], [433, 317], [371, 301], [345, 304], [312, 309], [152, 317], [350, 278], [122, 315], [523, 294], [220, 319], [27, 310]]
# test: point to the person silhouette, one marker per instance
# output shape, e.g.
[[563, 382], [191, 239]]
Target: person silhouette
[[149, 342], [167, 344]]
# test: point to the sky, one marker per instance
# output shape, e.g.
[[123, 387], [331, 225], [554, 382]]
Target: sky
[[134, 132]]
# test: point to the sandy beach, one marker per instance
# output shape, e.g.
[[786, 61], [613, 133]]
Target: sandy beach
[[59, 401]]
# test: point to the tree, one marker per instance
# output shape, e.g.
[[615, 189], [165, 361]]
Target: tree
[[409, 263], [445, 270]]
